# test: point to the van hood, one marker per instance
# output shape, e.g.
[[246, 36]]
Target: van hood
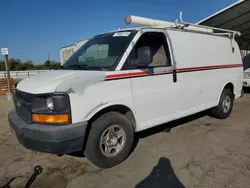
[[60, 81]]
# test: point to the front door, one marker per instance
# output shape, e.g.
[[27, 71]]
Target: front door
[[155, 92]]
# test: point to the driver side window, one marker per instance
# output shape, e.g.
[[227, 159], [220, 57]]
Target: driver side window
[[157, 42]]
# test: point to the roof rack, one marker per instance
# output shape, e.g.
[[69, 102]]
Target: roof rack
[[228, 32], [147, 22]]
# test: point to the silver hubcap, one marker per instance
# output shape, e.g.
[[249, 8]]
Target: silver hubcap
[[226, 104], [112, 140]]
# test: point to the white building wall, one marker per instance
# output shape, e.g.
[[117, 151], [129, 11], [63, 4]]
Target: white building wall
[[80, 43], [66, 52]]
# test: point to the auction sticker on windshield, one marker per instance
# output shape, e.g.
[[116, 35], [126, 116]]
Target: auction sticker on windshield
[[121, 34]]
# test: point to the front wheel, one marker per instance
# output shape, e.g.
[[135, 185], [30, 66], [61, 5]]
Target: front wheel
[[225, 106], [110, 140]]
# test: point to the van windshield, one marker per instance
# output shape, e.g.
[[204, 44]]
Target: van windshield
[[101, 52]]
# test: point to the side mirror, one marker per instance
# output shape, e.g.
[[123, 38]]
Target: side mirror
[[144, 55]]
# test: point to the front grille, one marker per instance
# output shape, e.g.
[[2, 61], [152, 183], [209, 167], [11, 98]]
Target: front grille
[[23, 105], [27, 97]]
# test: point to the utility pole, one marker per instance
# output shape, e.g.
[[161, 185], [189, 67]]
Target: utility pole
[[5, 54]]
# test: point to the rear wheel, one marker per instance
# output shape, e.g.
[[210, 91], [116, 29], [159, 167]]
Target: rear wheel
[[225, 106], [110, 140]]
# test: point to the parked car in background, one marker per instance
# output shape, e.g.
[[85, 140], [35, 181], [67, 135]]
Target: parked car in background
[[246, 78]]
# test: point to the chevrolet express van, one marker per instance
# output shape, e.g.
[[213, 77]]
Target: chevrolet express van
[[125, 81]]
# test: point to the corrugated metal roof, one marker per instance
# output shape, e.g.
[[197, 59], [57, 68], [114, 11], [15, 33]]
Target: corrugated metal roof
[[234, 17]]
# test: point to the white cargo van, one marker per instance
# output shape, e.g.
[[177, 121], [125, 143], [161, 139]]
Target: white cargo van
[[125, 81]]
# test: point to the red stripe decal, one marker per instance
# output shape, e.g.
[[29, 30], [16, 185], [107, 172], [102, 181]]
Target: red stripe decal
[[208, 67], [134, 74], [125, 75]]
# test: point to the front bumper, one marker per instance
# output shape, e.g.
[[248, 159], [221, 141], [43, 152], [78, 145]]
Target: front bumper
[[246, 82], [56, 139]]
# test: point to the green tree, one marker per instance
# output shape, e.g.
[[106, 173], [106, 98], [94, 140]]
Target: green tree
[[28, 65], [47, 64], [55, 65], [2, 66], [17, 64], [51, 65], [14, 63]]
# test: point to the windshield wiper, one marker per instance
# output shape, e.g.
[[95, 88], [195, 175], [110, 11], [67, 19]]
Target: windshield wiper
[[80, 66], [86, 67]]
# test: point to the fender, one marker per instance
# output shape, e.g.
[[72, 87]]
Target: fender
[[102, 106], [224, 88]]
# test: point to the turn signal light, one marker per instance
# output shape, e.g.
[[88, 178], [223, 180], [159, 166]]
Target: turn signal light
[[42, 118]]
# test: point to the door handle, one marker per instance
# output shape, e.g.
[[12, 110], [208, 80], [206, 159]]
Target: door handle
[[174, 75]]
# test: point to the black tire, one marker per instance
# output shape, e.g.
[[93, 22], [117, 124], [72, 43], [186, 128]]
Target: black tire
[[93, 150], [220, 112]]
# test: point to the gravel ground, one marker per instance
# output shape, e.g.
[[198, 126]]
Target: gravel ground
[[197, 151]]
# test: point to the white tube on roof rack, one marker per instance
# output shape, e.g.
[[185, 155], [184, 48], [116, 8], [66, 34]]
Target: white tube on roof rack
[[130, 19]]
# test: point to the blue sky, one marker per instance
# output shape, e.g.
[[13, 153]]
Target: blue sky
[[32, 29]]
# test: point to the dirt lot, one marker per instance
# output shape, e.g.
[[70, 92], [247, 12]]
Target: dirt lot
[[198, 151]]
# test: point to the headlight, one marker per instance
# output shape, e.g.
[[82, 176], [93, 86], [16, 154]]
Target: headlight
[[51, 108], [49, 102]]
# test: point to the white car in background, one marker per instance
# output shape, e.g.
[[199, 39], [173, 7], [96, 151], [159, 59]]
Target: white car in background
[[246, 78]]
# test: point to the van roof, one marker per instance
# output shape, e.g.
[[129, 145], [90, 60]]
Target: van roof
[[125, 29], [189, 28], [154, 27], [204, 31]]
